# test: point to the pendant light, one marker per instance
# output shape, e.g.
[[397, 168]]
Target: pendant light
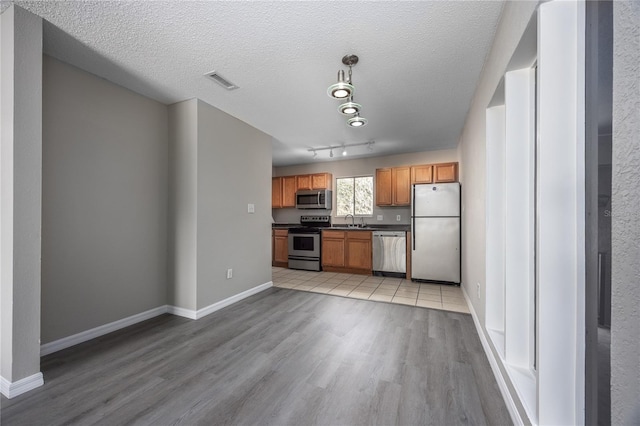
[[350, 108], [357, 121], [343, 89]]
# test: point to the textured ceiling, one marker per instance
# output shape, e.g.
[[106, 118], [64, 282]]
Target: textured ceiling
[[419, 63]]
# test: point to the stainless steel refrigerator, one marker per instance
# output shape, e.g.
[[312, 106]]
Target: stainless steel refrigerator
[[435, 232]]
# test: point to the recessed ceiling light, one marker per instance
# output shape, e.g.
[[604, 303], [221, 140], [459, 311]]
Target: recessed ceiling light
[[357, 121]]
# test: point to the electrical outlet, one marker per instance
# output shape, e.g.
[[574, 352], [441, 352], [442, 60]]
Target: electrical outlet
[[251, 208], [398, 218], [478, 289], [380, 217], [229, 274]]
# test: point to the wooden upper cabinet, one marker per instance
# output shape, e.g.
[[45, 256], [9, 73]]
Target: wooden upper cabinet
[[383, 187], [321, 181], [289, 191], [276, 192], [393, 186], [303, 182], [401, 186], [422, 174], [445, 172]]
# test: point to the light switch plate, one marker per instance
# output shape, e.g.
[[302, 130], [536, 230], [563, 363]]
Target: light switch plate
[[251, 208], [379, 217], [398, 218]]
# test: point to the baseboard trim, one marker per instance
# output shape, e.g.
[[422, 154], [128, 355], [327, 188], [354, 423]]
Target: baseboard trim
[[13, 389], [231, 300], [493, 362], [66, 342]]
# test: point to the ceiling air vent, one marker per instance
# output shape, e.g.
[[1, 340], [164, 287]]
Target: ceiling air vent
[[215, 76]]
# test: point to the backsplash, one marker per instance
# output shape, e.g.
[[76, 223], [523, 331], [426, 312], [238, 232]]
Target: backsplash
[[292, 215]]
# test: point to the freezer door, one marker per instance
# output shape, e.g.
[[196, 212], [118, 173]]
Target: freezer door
[[442, 199], [436, 249]]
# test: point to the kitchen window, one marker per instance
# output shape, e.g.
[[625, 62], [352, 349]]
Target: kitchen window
[[354, 195]]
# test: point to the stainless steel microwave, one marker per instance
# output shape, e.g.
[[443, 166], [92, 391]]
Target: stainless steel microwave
[[314, 199]]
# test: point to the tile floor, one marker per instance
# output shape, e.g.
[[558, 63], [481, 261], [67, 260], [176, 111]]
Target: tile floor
[[380, 289]]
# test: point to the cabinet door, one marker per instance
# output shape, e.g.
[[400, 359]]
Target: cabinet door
[[422, 174], [445, 172], [289, 191], [276, 193], [303, 182], [359, 253], [383, 187], [401, 186], [281, 248], [333, 252], [321, 181]]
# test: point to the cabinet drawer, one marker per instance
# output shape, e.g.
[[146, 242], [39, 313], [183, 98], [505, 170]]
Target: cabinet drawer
[[333, 234], [281, 232], [359, 235]]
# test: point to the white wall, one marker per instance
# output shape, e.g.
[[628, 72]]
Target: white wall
[[104, 247], [515, 17], [20, 195], [625, 303], [359, 167], [472, 147]]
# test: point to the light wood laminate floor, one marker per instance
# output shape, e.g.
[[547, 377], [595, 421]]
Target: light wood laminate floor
[[379, 289], [277, 358]]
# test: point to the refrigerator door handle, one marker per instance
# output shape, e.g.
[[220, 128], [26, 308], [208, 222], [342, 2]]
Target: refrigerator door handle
[[413, 216], [413, 234]]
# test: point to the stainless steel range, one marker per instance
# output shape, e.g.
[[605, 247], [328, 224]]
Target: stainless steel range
[[305, 243]]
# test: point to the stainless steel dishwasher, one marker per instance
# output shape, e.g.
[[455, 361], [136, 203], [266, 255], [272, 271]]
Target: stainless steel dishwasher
[[390, 253]]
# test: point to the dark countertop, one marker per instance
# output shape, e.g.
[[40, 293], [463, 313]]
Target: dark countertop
[[342, 227]]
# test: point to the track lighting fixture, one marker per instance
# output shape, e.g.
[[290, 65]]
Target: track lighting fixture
[[344, 147]]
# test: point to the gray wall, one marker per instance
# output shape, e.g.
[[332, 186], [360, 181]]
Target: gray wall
[[21, 192], [219, 165], [183, 199], [359, 167], [625, 304], [234, 169], [104, 245]]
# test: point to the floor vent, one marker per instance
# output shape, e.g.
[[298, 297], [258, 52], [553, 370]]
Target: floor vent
[[213, 75]]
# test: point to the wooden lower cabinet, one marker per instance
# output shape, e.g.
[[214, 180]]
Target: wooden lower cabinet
[[359, 251], [333, 249], [280, 248], [347, 251]]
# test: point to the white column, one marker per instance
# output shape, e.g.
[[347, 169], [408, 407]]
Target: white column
[[561, 208], [20, 200], [519, 224], [495, 213]]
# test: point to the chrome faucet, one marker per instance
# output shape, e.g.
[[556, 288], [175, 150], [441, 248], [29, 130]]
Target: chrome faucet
[[353, 219]]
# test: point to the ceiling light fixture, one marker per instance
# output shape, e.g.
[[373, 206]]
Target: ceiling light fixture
[[344, 147], [344, 89], [357, 121], [350, 108]]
